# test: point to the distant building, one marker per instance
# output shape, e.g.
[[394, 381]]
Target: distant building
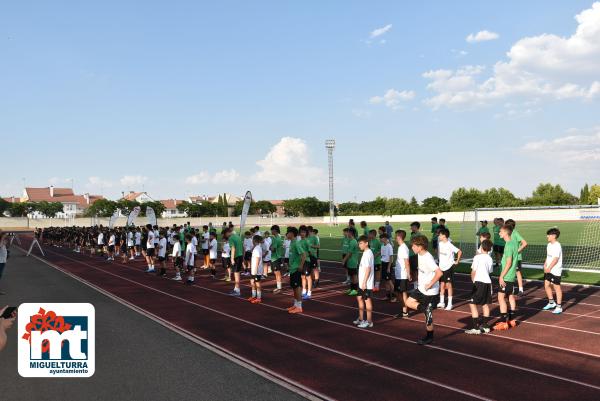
[[73, 205], [171, 208], [279, 209], [140, 197], [231, 199]]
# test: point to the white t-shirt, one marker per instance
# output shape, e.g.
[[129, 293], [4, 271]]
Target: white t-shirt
[[266, 245], [138, 238], [190, 251], [386, 252], [212, 252], [446, 251], [226, 250], [162, 243], [156, 237], [194, 243], [367, 262], [554, 250], [286, 247], [100, 239], [150, 242], [111, 240], [176, 249], [400, 269], [248, 244], [256, 266], [205, 240], [483, 265], [427, 268], [130, 239]]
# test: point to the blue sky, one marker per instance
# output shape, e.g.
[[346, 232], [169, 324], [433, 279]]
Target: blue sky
[[181, 98]]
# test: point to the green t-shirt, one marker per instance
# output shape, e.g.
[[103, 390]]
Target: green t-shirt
[[345, 243], [482, 230], [412, 235], [510, 251], [434, 227], [353, 251], [375, 246], [517, 238], [366, 231], [497, 239], [296, 252], [310, 241], [276, 248], [236, 242]]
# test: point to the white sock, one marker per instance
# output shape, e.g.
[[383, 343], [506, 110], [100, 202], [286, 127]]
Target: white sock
[[309, 293], [520, 289], [303, 292], [279, 285], [258, 294], [449, 300], [254, 293], [441, 299], [377, 284], [236, 289], [295, 303], [299, 304]]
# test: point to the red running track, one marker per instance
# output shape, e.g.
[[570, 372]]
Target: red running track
[[322, 353]]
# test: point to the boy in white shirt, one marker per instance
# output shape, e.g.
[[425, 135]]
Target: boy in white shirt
[[366, 280], [481, 293], [248, 247], [150, 249], [190, 253], [266, 246], [226, 260], [138, 242], [553, 271], [402, 274], [177, 259], [387, 252], [131, 244], [256, 269], [426, 294], [446, 252], [205, 247], [212, 254], [286, 255], [162, 254], [111, 246]]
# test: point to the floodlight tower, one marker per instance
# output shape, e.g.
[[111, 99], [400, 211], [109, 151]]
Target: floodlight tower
[[330, 146]]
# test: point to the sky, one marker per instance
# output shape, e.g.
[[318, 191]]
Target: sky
[[186, 98]]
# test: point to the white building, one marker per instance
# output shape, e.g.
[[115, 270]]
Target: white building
[[171, 208], [73, 205]]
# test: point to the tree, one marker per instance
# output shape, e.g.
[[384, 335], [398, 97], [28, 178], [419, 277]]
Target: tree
[[434, 205], [101, 208], [126, 206], [349, 208], [584, 195], [48, 209], [500, 197], [594, 194], [4, 206], [157, 206], [464, 199], [264, 207], [309, 206], [21, 209], [374, 207], [547, 194]]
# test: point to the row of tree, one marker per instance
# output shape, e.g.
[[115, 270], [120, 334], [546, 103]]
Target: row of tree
[[21, 209]]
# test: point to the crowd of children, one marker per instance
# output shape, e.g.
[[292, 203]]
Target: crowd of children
[[415, 277]]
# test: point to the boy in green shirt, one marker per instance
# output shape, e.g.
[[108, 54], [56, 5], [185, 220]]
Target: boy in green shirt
[[351, 263], [237, 258], [345, 242], [434, 233], [413, 258], [499, 243], [365, 228], [521, 244], [277, 254], [313, 248], [507, 280], [375, 246], [298, 257]]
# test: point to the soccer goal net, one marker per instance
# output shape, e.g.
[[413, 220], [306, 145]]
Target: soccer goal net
[[579, 227]]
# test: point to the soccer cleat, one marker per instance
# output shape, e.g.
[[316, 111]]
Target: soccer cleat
[[189, 282], [512, 323], [291, 307], [425, 340], [365, 325], [347, 282], [176, 278], [449, 307], [295, 310], [235, 294], [276, 290], [404, 314], [520, 293], [485, 329], [557, 310], [149, 270], [357, 322], [251, 299], [256, 301], [375, 289], [441, 305], [393, 299], [228, 279], [353, 293], [305, 297], [473, 331], [501, 326], [550, 305]]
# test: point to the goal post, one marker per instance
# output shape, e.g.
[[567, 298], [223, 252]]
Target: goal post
[[579, 227]]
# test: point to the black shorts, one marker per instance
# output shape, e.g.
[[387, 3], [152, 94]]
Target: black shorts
[[190, 267], [130, 247], [257, 277], [481, 293], [276, 265], [423, 299], [352, 272], [365, 294], [123, 249], [178, 262], [161, 258], [499, 249], [204, 252], [448, 276], [238, 264], [413, 261], [213, 261], [226, 262], [111, 248], [307, 268], [434, 243], [519, 265], [552, 278], [378, 267], [295, 279], [386, 272], [150, 252], [510, 289], [401, 285], [286, 261], [313, 261], [247, 256]]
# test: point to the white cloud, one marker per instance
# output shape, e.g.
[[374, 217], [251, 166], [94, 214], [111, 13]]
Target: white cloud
[[201, 178], [545, 66], [572, 149], [482, 36], [288, 162], [220, 177], [380, 31], [226, 176], [97, 182], [131, 180], [393, 98]]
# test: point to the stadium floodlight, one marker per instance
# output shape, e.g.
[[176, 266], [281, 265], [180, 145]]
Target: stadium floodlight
[[330, 146]]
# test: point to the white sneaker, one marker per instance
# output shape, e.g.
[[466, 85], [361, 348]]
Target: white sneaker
[[557, 310], [449, 307], [357, 322], [364, 324], [132, 258], [149, 270], [347, 282], [441, 305], [176, 278]]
